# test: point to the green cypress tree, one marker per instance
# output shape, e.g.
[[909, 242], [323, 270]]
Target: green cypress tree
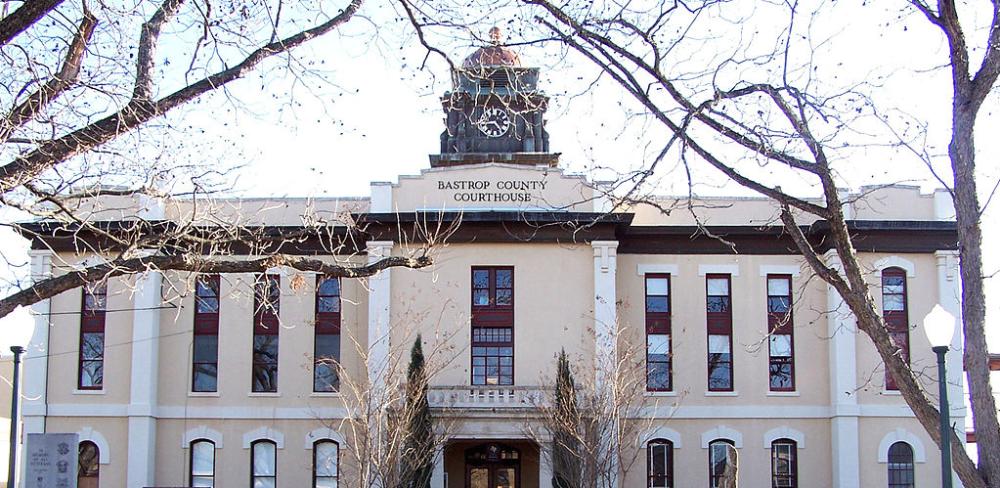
[[565, 453], [418, 450]]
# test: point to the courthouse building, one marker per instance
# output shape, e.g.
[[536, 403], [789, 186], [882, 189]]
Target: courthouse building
[[169, 384]]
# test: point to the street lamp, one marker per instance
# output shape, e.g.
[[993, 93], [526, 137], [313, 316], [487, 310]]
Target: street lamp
[[939, 325]]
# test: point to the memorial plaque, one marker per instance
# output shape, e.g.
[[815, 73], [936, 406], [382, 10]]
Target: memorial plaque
[[51, 460]]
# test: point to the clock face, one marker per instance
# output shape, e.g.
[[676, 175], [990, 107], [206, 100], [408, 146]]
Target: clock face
[[494, 122]]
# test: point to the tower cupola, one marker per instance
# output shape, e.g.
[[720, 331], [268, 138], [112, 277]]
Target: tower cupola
[[494, 112]]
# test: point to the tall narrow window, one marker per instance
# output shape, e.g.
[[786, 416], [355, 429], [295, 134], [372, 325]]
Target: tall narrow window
[[784, 464], [267, 303], [901, 465], [88, 473], [781, 348], [722, 461], [92, 319], [660, 463], [658, 362], [492, 325], [326, 456], [263, 473], [896, 315], [326, 352], [719, 311], [205, 356], [202, 463]]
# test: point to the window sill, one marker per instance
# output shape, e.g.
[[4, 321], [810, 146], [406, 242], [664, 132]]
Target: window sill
[[89, 392], [892, 393], [203, 394], [722, 393], [326, 394], [793, 393], [660, 393], [264, 394]]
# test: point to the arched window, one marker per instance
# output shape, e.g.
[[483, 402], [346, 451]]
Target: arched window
[[263, 471], [88, 473], [900, 465], [202, 463], [722, 463], [326, 457], [784, 464], [895, 313], [660, 463]]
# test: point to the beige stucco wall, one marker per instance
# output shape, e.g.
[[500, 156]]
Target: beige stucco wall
[[554, 297], [547, 315]]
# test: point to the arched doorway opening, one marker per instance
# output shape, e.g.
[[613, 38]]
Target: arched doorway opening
[[492, 465]]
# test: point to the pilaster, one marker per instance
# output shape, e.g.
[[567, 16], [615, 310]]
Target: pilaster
[[144, 375], [606, 331], [950, 297], [378, 316], [35, 369], [843, 385]]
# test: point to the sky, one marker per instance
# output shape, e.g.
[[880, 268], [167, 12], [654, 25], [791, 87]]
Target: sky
[[372, 114]]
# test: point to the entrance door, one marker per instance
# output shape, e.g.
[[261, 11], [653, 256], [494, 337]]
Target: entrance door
[[492, 466]]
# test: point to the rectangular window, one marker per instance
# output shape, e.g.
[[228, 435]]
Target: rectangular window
[[326, 352], [781, 350], [658, 354], [720, 332], [205, 354], [896, 315], [267, 307], [93, 313], [492, 325]]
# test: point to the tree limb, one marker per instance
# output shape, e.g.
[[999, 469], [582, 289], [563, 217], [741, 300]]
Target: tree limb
[[24, 17], [51, 287], [59, 83]]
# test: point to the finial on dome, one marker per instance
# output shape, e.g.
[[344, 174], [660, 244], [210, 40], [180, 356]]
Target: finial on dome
[[496, 35], [495, 54]]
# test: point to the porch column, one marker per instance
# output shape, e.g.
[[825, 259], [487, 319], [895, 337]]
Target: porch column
[[606, 338], [145, 373], [34, 405], [843, 385], [545, 465], [437, 475]]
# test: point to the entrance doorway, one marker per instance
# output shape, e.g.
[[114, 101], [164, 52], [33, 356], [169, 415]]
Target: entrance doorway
[[492, 465]]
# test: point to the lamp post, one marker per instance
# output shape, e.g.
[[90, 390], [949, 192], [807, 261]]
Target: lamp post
[[17, 350], [939, 325]]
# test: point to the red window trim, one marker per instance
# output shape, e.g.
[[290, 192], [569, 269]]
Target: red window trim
[[659, 323], [781, 324], [897, 321], [327, 323], [720, 323], [266, 322], [266, 316], [492, 316], [92, 321], [207, 324]]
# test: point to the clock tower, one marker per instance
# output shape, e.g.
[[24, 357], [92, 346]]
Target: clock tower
[[494, 112]]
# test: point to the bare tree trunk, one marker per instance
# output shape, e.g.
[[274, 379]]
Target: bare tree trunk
[[970, 237]]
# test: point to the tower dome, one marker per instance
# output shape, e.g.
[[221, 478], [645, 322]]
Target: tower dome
[[493, 55]]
